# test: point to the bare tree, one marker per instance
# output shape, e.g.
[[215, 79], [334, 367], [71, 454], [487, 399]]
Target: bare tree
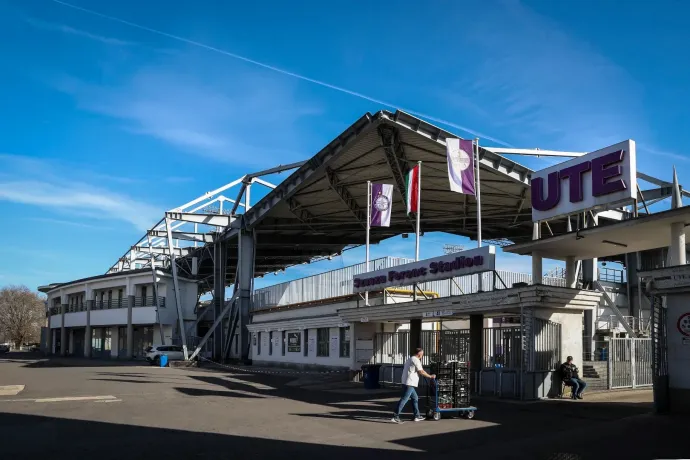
[[22, 313]]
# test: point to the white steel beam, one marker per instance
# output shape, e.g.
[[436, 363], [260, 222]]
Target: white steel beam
[[186, 236], [210, 194], [535, 152], [207, 219], [179, 252]]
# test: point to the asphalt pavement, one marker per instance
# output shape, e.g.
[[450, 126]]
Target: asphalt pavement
[[71, 408]]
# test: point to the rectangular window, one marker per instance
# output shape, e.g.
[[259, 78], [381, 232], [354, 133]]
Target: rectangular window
[[270, 343], [119, 298], [258, 343], [322, 341], [283, 342], [143, 295], [108, 339], [306, 342], [344, 342]]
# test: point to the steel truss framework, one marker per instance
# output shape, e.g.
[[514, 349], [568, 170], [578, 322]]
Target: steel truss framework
[[317, 211]]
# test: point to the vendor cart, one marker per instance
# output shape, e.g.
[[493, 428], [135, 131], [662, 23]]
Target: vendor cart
[[450, 391]]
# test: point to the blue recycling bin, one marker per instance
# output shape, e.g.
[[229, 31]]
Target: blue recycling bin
[[164, 360], [370, 374]]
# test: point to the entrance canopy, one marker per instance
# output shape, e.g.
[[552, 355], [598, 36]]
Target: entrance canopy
[[495, 302], [640, 234]]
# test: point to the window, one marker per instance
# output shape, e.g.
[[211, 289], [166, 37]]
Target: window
[[344, 342], [143, 295], [108, 339], [306, 344], [322, 341], [283, 342], [270, 343], [110, 299], [119, 298], [257, 336]]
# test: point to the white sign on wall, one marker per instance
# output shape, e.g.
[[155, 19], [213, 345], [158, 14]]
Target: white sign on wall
[[444, 267], [602, 178]]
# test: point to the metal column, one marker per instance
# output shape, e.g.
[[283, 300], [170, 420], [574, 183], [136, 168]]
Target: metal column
[[219, 280], [176, 286], [245, 287]]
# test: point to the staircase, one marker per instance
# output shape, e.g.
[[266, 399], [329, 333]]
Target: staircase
[[595, 373]]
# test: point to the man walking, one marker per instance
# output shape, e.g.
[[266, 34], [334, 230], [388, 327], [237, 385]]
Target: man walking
[[570, 375], [410, 379]]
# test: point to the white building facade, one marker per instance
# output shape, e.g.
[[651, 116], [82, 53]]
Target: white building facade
[[116, 315]]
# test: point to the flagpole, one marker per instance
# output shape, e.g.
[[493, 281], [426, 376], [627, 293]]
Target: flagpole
[[478, 197], [419, 208], [366, 293]]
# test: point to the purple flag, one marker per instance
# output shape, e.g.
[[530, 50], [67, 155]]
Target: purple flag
[[460, 165], [381, 204]]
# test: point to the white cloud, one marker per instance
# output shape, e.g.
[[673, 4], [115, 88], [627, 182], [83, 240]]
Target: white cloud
[[65, 29], [223, 114], [80, 197], [42, 183]]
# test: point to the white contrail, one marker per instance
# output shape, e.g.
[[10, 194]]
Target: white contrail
[[284, 72]]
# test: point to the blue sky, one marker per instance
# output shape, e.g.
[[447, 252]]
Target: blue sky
[[95, 111]]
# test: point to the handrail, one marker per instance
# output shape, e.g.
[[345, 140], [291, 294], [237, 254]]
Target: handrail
[[615, 309]]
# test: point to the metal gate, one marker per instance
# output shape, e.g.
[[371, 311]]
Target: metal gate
[[630, 363]]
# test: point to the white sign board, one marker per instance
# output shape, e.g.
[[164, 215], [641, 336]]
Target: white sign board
[[439, 268], [437, 313], [598, 179]]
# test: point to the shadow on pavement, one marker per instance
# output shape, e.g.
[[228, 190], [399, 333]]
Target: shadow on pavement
[[540, 430], [57, 439]]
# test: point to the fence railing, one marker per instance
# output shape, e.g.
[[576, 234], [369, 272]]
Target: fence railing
[[339, 283], [149, 301]]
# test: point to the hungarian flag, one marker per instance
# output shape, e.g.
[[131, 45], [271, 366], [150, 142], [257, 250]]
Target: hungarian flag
[[412, 197]]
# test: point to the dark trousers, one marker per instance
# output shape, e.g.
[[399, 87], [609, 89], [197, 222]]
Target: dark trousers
[[578, 386], [408, 393]]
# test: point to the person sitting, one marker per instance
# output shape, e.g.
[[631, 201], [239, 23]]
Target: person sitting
[[571, 376]]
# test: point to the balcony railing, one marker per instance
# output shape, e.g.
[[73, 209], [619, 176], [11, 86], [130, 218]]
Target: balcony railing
[[149, 301], [122, 303], [109, 304]]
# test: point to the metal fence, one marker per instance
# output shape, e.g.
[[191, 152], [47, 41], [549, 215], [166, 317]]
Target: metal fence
[[546, 352], [630, 363], [502, 347], [337, 283]]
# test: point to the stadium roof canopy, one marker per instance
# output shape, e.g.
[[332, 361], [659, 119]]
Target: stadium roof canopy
[[320, 209]]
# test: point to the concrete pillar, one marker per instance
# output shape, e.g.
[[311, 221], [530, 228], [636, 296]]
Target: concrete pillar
[[415, 334], [130, 329], [246, 288], [49, 340], [677, 250], [570, 272], [537, 269], [63, 332], [476, 345], [87, 333]]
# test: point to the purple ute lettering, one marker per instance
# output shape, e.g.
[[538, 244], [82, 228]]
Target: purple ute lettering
[[574, 175], [603, 170], [606, 179], [553, 195]]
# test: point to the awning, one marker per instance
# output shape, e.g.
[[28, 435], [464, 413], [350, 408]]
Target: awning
[[504, 300], [640, 234]]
